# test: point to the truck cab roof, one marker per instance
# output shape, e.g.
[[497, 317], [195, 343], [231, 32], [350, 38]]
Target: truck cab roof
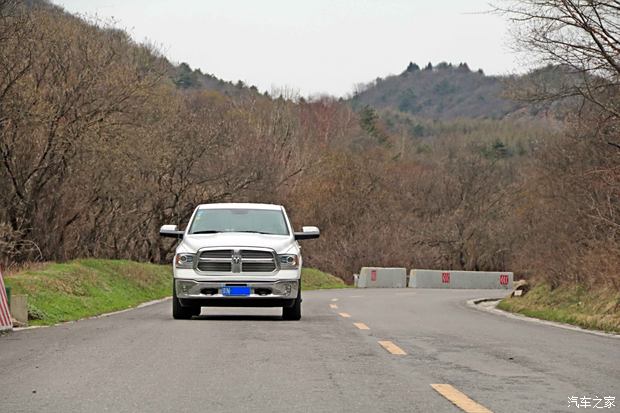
[[240, 206]]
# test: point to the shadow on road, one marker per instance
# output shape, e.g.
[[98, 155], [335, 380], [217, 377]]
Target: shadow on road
[[238, 317]]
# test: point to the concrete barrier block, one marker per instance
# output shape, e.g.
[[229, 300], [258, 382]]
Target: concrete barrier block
[[378, 277], [19, 308], [460, 279]]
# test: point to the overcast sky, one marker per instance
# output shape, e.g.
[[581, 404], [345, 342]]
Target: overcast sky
[[313, 46]]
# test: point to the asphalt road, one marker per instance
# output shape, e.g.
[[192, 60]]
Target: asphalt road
[[248, 360]]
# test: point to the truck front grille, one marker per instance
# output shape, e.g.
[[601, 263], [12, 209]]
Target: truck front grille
[[217, 254], [258, 267], [235, 261], [215, 266], [253, 254]]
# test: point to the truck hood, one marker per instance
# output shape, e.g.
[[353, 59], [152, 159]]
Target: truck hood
[[280, 243]]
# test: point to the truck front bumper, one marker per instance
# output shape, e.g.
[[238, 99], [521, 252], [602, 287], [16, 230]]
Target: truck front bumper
[[279, 293]]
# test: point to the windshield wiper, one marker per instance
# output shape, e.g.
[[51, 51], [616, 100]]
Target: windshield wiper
[[212, 231]]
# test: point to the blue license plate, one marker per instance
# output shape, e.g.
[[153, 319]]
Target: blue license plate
[[235, 291]]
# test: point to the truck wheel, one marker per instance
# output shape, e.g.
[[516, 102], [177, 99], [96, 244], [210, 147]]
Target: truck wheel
[[178, 311], [294, 312]]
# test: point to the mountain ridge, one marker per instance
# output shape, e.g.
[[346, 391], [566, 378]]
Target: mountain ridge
[[444, 91]]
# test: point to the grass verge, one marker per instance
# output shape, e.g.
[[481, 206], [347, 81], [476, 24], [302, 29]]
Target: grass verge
[[592, 309], [84, 288], [313, 279], [78, 289]]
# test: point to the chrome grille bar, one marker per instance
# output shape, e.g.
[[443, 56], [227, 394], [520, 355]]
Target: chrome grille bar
[[236, 261]]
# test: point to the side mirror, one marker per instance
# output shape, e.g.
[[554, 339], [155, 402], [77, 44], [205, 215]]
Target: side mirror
[[308, 233], [171, 231]]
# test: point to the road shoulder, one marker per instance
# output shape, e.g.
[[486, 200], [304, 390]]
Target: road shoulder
[[489, 305], [141, 305]]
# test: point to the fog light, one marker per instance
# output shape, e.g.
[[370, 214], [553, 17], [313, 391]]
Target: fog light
[[184, 286], [284, 288]]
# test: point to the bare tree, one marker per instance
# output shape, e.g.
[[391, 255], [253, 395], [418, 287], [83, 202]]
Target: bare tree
[[581, 36], [575, 221]]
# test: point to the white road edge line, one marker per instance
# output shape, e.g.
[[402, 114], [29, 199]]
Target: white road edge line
[[146, 304], [493, 310]]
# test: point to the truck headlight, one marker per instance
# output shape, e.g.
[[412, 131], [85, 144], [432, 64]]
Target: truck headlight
[[288, 261], [184, 260]]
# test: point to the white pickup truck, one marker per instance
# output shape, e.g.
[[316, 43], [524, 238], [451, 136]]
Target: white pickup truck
[[237, 255]]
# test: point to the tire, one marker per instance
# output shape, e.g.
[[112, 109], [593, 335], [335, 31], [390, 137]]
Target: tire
[[178, 311], [293, 313]]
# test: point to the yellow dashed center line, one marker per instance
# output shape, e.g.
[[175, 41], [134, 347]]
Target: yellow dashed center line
[[334, 299], [459, 399], [392, 348], [361, 326], [345, 315], [334, 306]]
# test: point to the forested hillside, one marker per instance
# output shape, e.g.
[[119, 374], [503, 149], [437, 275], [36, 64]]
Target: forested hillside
[[443, 91], [184, 77], [448, 91], [103, 140], [181, 74]]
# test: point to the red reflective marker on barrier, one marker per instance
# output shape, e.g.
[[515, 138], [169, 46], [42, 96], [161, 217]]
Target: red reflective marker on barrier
[[503, 279], [445, 277], [5, 316], [373, 275]]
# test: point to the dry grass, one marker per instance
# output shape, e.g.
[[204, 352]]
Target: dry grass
[[588, 308]]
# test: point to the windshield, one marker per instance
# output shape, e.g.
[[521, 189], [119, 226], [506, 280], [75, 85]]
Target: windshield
[[262, 221]]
